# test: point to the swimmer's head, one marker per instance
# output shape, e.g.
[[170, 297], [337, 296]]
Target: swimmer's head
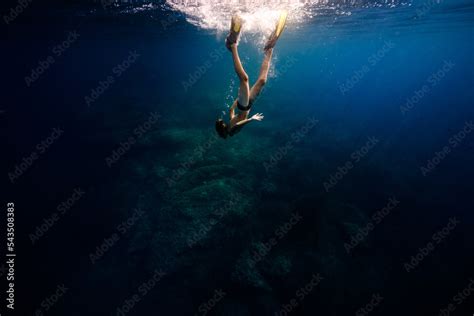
[[221, 128]]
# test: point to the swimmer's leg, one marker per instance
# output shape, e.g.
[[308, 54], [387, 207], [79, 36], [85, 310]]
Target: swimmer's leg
[[278, 30], [262, 77], [244, 90], [234, 32]]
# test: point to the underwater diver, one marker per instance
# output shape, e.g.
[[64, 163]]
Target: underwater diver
[[247, 96]]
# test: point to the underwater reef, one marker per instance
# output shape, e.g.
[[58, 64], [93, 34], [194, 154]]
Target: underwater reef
[[262, 229]]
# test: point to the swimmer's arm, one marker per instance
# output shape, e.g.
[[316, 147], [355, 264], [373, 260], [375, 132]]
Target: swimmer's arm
[[243, 122], [255, 117], [232, 109]]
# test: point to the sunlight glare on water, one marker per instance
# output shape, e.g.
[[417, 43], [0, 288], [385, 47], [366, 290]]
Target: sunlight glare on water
[[259, 15]]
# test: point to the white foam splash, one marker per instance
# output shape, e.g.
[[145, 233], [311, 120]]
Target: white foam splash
[[259, 15]]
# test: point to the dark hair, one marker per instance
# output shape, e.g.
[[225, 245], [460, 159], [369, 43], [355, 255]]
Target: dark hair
[[221, 128]]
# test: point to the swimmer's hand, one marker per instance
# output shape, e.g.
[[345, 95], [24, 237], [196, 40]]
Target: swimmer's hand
[[257, 117]]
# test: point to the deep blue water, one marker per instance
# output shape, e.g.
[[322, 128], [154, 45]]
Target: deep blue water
[[391, 91]]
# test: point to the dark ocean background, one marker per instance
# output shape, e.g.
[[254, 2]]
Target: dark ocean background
[[359, 76]]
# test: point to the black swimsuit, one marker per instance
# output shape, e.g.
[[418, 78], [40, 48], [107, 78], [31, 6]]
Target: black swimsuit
[[244, 108]]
